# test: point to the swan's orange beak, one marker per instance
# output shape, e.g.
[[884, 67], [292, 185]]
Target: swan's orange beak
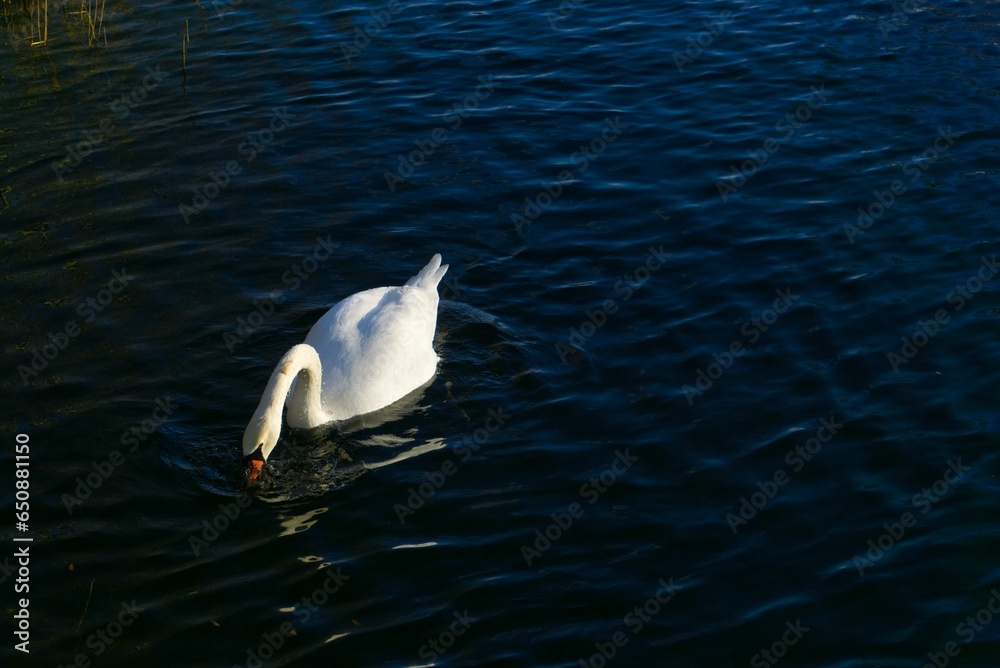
[[254, 463]]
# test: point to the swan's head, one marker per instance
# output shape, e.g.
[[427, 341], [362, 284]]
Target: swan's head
[[259, 438]]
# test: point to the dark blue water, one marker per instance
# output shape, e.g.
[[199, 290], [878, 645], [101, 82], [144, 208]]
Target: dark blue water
[[719, 337]]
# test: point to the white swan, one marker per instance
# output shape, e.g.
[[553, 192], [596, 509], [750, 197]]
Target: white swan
[[368, 351]]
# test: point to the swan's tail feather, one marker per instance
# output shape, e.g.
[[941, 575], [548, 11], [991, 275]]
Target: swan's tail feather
[[429, 277]]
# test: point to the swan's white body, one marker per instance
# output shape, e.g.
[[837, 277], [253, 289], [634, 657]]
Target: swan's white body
[[368, 351]]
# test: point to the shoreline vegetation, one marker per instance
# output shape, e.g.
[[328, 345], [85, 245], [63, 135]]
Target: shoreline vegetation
[[29, 19]]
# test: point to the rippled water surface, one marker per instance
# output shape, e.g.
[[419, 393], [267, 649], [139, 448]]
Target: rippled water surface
[[719, 356]]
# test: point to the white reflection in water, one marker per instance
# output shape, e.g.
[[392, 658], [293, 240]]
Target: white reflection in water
[[427, 446], [299, 523], [415, 546]]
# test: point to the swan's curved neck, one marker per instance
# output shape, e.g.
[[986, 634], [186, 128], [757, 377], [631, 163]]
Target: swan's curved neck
[[301, 366], [305, 406]]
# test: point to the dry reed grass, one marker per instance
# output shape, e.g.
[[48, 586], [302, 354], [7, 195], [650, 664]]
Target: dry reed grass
[[37, 14]]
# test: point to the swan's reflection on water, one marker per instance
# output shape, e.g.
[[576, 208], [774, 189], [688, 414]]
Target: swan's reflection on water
[[336, 464], [298, 523], [316, 467], [309, 463], [416, 451]]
